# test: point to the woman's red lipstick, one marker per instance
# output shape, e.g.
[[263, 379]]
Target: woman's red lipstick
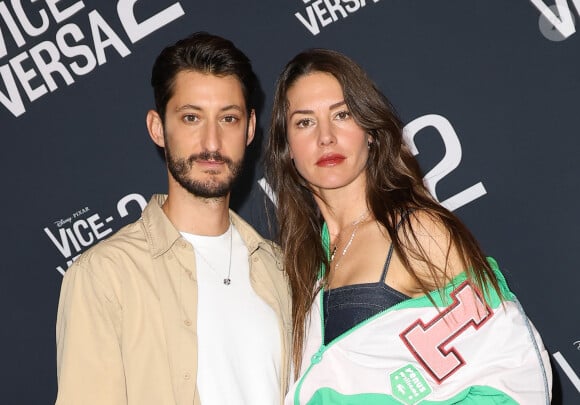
[[330, 160]]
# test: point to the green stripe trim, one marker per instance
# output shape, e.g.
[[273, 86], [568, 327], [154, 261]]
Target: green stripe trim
[[475, 395]]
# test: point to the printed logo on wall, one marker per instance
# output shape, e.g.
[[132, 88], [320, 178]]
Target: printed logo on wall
[[76, 232], [321, 13], [556, 22], [71, 53]]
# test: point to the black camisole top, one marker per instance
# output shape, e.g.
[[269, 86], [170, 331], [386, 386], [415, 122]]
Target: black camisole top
[[345, 307]]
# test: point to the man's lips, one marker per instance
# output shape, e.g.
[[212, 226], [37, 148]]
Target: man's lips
[[210, 162], [330, 160]]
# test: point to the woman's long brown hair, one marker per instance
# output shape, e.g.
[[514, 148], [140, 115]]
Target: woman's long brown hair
[[394, 188]]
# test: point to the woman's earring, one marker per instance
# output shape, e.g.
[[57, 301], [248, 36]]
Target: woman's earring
[[369, 143]]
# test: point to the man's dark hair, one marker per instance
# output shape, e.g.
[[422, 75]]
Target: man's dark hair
[[205, 53]]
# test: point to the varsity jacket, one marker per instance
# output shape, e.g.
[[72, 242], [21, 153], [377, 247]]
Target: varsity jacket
[[465, 350]]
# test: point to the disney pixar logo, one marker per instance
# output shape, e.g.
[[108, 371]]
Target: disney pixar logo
[[83, 228]]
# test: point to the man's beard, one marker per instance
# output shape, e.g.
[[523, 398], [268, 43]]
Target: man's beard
[[210, 188]]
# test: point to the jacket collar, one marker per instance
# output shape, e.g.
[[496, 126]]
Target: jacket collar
[[161, 234]]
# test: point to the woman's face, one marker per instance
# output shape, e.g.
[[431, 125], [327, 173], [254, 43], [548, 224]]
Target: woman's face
[[329, 148]]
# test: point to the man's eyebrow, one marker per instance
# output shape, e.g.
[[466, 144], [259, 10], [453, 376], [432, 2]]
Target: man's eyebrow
[[188, 107], [198, 108], [233, 107]]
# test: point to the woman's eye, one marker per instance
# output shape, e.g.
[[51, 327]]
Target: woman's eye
[[342, 115], [304, 123]]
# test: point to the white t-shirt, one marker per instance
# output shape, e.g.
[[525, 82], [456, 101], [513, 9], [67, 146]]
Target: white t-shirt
[[239, 348]]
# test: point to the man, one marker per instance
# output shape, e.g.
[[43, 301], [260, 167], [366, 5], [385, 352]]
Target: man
[[188, 305]]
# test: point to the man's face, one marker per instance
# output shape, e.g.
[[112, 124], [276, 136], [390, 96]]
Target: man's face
[[205, 133]]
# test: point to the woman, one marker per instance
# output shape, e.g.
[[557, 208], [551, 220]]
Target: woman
[[393, 299]]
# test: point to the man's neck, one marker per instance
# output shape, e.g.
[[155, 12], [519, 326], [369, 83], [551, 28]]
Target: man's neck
[[196, 215]]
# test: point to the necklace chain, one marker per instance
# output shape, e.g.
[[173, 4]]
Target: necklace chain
[[227, 280], [355, 226]]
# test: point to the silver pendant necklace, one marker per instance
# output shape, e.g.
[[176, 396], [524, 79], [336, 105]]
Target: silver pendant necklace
[[227, 279], [355, 226]]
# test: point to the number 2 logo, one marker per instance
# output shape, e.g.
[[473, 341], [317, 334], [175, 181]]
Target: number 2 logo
[[450, 160], [429, 343]]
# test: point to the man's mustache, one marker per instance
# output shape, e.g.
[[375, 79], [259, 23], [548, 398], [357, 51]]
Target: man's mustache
[[213, 156]]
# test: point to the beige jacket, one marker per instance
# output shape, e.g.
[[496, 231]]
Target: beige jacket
[[126, 325]]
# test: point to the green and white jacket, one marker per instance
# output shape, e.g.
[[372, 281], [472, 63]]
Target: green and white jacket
[[466, 350]]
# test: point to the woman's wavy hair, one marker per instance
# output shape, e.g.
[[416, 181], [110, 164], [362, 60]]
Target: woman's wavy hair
[[394, 188]]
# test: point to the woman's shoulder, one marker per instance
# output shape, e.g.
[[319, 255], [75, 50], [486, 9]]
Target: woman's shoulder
[[430, 248]]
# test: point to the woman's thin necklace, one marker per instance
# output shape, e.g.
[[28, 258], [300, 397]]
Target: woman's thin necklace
[[355, 226]]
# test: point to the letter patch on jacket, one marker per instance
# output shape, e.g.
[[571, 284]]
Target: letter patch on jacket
[[431, 343]]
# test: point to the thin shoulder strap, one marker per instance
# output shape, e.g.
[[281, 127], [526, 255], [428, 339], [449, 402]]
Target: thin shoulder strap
[[391, 248]]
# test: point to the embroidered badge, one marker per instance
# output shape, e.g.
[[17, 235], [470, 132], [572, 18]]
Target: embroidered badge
[[409, 386]]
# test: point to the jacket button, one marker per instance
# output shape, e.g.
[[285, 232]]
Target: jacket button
[[187, 322], [255, 259], [316, 358], [186, 376]]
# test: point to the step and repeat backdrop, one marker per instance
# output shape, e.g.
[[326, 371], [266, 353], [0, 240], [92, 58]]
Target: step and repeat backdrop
[[489, 92]]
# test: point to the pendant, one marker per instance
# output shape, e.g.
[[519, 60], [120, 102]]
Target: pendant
[[333, 252], [227, 281]]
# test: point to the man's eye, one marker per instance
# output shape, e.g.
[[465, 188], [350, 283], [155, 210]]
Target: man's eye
[[230, 119], [189, 118]]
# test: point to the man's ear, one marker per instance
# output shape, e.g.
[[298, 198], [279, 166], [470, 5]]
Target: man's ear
[[251, 127], [155, 128]]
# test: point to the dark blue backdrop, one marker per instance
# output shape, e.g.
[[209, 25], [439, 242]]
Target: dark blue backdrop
[[489, 92]]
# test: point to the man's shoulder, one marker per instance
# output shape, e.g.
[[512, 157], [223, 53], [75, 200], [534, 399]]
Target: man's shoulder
[[127, 243], [107, 266]]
